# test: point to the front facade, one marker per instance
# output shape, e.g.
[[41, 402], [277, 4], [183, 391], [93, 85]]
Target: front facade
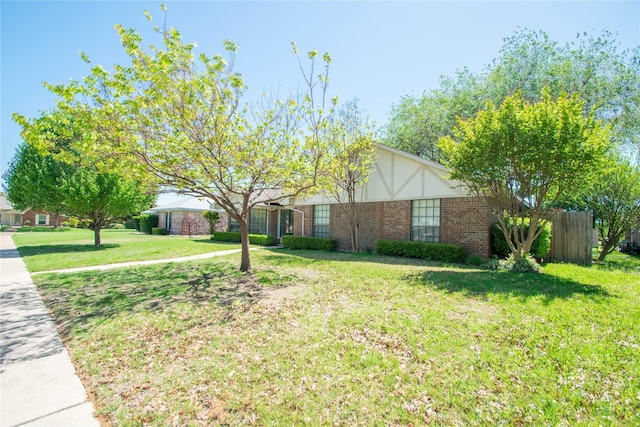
[[184, 217], [13, 217], [405, 198]]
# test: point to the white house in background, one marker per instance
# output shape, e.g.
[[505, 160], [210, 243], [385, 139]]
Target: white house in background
[[9, 215], [184, 216]]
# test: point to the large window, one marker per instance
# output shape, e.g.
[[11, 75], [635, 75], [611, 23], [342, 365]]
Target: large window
[[321, 220], [167, 221], [257, 222], [425, 220], [42, 219]]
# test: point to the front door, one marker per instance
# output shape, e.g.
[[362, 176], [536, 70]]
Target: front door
[[286, 223]]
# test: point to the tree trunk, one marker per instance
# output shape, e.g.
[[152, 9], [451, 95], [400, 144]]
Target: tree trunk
[[245, 264], [56, 220], [96, 239]]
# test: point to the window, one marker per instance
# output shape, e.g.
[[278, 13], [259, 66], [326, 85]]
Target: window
[[321, 220], [257, 222], [42, 219], [425, 220], [286, 222], [167, 221]]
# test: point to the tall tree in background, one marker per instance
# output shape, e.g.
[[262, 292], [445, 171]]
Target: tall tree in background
[[351, 150], [182, 120], [82, 188], [594, 68], [37, 181], [524, 158], [614, 199]]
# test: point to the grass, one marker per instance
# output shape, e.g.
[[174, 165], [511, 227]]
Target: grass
[[73, 247], [314, 338]]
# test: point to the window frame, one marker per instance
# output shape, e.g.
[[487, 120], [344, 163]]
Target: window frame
[[322, 220], [425, 220]]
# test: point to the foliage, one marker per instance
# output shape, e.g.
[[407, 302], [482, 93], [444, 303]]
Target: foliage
[[212, 218], [592, 67], [614, 199], [526, 157], [148, 222], [157, 231], [475, 260], [136, 221], [234, 236], [116, 226], [39, 229], [3, 227], [539, 248], [308, 242], [352, 150], [180, 118], [37, 181], [430, 251], [130, 224], [72, 222]]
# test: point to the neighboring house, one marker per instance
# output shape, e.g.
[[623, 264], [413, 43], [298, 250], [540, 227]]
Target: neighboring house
[[406, 198], [11, 216], [184, 216]]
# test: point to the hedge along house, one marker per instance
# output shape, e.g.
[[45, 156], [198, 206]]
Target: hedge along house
[[406, 198], [184, 216]]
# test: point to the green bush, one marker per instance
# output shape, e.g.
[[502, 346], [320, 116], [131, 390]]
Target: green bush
[[159, 231], [130, 225], [212, 218], [3, 227], [84, 223], [26, 223], [72, 222], [432, 251], [539, 249], [116, 226], [147, 222], [305, 242], [476, 260], [39, 229], [234, 236], [136, 222]]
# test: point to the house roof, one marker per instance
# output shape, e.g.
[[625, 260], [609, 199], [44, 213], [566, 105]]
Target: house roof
[[193, 204], [6, 206]]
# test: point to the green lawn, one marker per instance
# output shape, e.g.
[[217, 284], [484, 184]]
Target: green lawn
[[314, 338], [72, 247]]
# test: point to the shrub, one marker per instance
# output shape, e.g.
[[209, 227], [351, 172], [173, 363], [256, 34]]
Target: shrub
[[306, 242], [523, 265], [72, 222], [136, 222], [212, 218], [432, 251], [39, 229], [159, 231], [84, 223], [3, 227], [26, 223], [130, 224], [234, 236], [476, 260], [116, 226], [147, 222], [539, 249]]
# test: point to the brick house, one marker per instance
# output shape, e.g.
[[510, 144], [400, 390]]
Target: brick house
[[14, 217], [406, 198]]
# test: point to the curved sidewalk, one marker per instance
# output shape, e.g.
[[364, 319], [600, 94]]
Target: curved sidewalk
[[38, 384]]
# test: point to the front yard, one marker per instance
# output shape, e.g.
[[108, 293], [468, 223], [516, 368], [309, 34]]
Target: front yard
[[314, 338]]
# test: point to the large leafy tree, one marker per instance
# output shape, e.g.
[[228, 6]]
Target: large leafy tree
[[614, 199], [603, 76], [525, 157], [37, 181], [182, 120], [351, 150], [76, 185]]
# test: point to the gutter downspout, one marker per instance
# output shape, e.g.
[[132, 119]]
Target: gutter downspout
[[299, 211]]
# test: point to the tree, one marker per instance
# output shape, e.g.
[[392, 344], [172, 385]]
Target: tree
[[614, 199], [183, 122], [351, 149], [594, 68], [524, 158], [81, 189], [37, 181]]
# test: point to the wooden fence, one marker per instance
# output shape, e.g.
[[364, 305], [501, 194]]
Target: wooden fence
[[572, 237]]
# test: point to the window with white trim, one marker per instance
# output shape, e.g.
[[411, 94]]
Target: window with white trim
[[167, 221], [425, 220], [257, 222], [321, 215], [42, 219]]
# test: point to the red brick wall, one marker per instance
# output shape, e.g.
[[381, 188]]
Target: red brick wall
[[30, 216], [464, 221], [467, 221]]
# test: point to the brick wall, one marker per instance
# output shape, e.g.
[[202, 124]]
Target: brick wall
[[30, 216], [467, 221], [464, 221]]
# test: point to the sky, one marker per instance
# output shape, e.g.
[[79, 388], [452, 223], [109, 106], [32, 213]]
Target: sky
[[380, 51]]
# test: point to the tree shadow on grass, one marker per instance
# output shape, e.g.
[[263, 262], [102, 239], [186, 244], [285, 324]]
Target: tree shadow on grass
[[80, 300], [522, 286], [32, 250]]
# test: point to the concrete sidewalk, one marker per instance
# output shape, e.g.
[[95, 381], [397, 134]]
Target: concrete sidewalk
[[38, 384]]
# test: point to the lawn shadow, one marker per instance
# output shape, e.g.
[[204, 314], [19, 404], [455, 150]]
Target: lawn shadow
[[523, 286], [32, 250], [80, 300]]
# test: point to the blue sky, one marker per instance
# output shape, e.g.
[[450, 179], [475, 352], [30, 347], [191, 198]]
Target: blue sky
[[380, 50]]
